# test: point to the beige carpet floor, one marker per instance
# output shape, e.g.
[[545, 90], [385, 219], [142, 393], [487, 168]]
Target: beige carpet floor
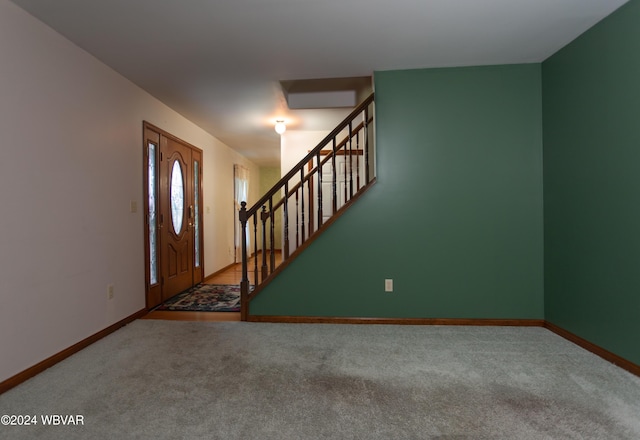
[[194, 380]]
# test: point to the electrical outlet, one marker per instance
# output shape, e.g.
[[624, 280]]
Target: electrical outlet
[[110, 291], [388, 285], [133, 206]]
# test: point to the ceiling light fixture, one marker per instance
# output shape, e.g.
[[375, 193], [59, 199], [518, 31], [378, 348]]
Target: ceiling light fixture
[[280, 127]]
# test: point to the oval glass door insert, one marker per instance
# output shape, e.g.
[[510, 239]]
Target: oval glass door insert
[[177, 197]]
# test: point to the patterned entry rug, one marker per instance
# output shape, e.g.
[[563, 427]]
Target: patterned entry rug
[[205, 298]]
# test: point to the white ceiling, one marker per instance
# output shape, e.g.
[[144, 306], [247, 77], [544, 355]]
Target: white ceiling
[[219, 63]]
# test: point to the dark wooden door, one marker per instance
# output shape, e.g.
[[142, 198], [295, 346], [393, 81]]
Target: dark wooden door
[[173, 222], [176, 252]]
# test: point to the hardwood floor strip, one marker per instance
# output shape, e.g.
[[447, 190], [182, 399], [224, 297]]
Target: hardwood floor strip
[[218, 272], [51, 361], [171, 315], [595, 349]]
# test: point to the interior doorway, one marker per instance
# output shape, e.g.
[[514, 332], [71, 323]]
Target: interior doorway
[[173, 220]]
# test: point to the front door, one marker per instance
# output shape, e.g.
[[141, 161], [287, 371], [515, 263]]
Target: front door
[[176, 217], [174, 242]]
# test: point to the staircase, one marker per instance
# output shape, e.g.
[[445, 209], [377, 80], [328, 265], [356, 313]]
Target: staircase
[[311, 196]]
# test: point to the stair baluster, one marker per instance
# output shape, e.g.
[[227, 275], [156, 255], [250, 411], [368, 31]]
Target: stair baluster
[[255, 250], [302, 204], [297, 221], [244, 282], [286, 221], [272, 251], [366, 144], [320, 214], [334, 184], [357, 161], [264, 215]]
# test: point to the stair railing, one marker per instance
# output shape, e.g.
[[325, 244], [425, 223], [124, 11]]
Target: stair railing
[[306, 199]]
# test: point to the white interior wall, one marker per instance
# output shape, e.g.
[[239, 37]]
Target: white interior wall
[[71, 162], [296, 144], [219, 205]]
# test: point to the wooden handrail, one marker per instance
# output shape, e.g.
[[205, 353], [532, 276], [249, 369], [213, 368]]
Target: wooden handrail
[[309, 198], [342, 143], [296, 187], [312, 153]]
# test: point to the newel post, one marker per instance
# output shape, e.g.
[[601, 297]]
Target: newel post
[[244, 283], [264, 215]]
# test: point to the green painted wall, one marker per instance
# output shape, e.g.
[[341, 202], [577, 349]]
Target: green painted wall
[[456, 216], [591, 108]]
